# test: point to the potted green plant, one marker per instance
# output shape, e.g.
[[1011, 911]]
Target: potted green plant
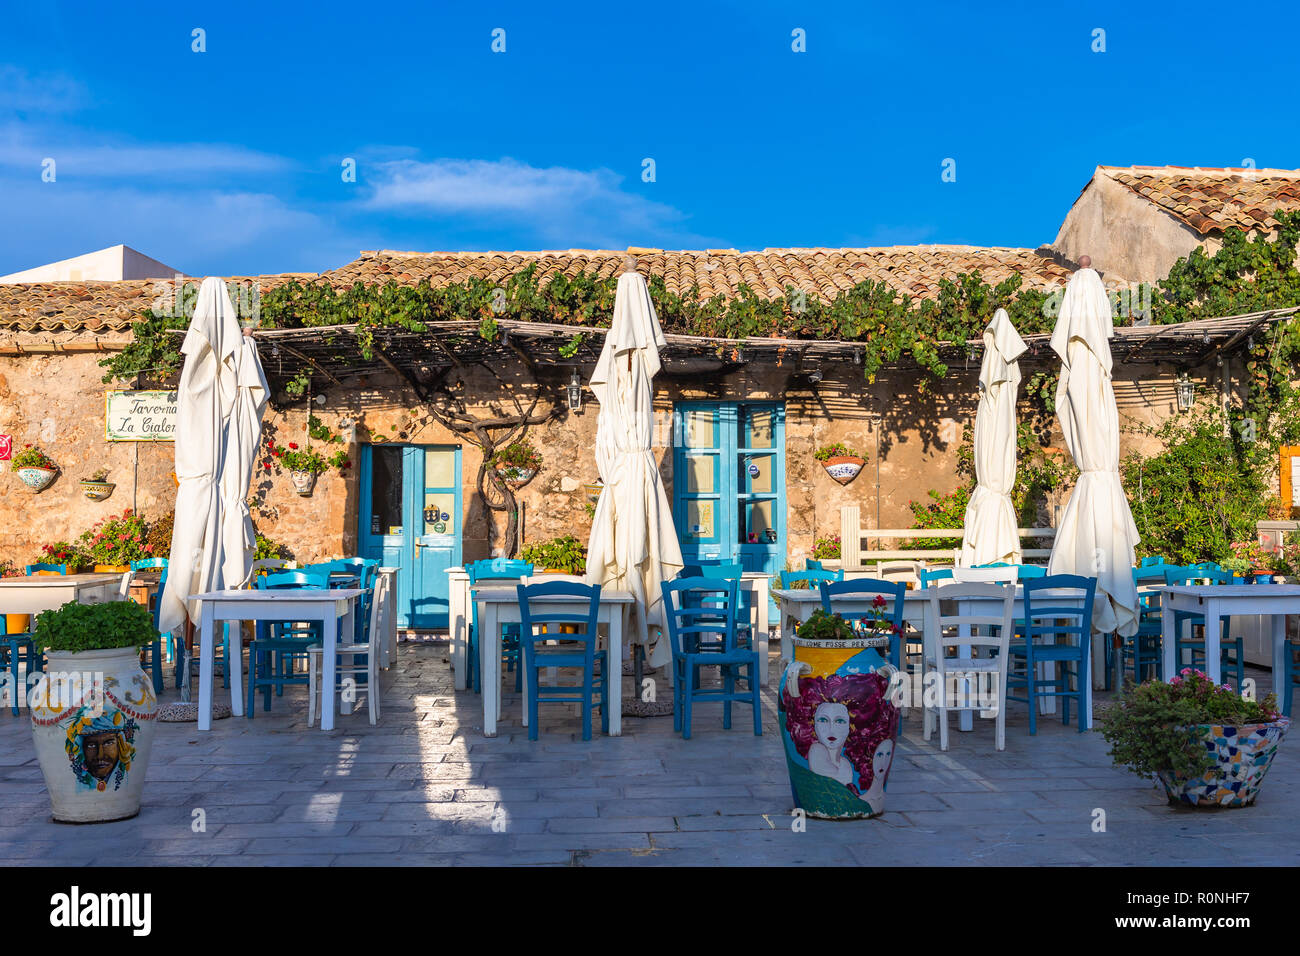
[[841, 462], [112, 544], [565, 555], [827, 549], [1206, 744], [97, 487], [838, 715], [517, 463], [34, 468], [93, 709], [1259, 563]]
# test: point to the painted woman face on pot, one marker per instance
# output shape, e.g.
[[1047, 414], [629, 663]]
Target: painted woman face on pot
[[831, 725], [881, 759]]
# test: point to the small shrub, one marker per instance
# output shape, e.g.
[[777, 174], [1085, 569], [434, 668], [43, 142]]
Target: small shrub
[[92, 627]]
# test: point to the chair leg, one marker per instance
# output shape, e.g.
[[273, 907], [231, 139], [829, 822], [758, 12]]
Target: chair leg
[[687, 694], [13, 670], [754, 699], [728, 688], [943, 717], [678, 684], [253, 653], [311, 690]]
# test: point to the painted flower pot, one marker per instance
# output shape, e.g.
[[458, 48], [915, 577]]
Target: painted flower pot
[[37, 479], [843, 469], [18, 623], [593, 489], [1242, 757], [93, 725], [514, 476], [303, 482], [838, 726], [97, 490]]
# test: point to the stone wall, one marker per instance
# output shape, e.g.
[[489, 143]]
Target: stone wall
[[909, 438]]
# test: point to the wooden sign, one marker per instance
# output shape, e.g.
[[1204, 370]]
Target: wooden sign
[[131, 415]]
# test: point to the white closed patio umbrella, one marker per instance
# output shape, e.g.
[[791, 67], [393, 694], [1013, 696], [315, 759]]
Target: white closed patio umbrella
[[205, 401], [990, 534], [633, 545], [238, 537], [1096, 536]]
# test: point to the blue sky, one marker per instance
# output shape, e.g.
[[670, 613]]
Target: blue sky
[[229, 161]]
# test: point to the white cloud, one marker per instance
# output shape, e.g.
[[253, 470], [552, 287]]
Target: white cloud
[[558, 205], [21, 91]]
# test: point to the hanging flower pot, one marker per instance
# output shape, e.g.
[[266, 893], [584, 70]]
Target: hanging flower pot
[[514, 476], [593, 489], [840, 462], [37, 479], [97, 487], [517, 463], [303, 482]]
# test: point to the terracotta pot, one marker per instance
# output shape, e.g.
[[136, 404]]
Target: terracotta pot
[[112, 568], [846, 682], [843, 468], [37, 479], [97, 490], [18, 623], [1242, 754], [93, 752], [303, 482]]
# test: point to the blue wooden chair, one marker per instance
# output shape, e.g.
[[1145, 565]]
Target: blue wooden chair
[[280, 645], [701, 617], [930, 576], [1045, 619], [42, 568], [556, 638], [494, 569], [152, 653], [18, 649], [811, 564], [1023, 571], [1145, 649], [367, 571], [861, 591], [1151, 561], [793, 580], [1232, 654]]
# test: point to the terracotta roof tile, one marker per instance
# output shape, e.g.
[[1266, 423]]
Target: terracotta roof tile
[[1212, 200]]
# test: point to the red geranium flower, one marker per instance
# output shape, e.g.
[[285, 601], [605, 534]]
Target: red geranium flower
[[293, 445], [878, 601]]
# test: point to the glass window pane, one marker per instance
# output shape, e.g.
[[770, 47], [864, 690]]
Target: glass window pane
[[439, 468], [699, 474], [760, 423], [699, 519], [756, 473], [757, 525], [699, 429], [439, 512], [386, 491]]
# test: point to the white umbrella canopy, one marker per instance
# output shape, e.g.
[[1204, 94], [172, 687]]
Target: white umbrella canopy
[[633, 545], [990, 534], [205, 400], [238, 537], [1096, 536]]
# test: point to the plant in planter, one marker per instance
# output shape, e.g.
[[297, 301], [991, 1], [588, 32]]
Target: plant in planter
[[117, 541], [34, 468], [840, 461], [826, 549], [566, 554], [837, 714], [1258, 561], [93, 709], [517, 463], [67, 553], [303, 464], [97, 487], [1208, 746]]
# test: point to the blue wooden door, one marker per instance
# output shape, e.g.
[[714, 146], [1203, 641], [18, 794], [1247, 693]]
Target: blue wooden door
[[729, 483], [410, 519]]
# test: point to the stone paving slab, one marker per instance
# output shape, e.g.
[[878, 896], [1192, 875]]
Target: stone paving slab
[[426, 788]]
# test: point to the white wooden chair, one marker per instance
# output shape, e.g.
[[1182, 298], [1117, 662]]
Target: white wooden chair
[[371, 648], [909, 572], [124, 589], [969, 618], [1007, 575]]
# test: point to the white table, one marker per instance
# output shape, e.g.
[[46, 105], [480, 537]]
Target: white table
[[1274, 601], [282, 604], [918, 611], [35, 593], [500, 605]]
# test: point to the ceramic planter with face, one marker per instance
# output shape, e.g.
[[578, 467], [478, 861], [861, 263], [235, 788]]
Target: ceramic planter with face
[[843, 468], [36, 479], [93, 725], [838, 726], [303, 482], [1242, 755]]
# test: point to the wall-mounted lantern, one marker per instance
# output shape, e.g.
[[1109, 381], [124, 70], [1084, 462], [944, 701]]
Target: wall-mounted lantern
[[1186, 393], [575, 392]]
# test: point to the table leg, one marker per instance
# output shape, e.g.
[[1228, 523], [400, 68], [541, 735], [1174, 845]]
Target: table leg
[[1168, 660], [206, 637], [459, 631], [1280, 650], [1213, 642], [489, 644], [760, 628], [329, 668], [235, 668], [615, 659], [965, 716]]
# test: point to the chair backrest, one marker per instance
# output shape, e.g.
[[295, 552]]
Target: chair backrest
[[995, 575], [852, 599], [376, 609], [790, 580], [367, 569], [929, 575], [124, 589], [537, 622], [974, 613], [1149, 574], [43, 568], [545, 577], [714, 569], [1050, 616], [1022, 570], [909, 572], [150, 564], [813, 565], [701, 613], [1175, 574], [1206, 566], [1151, 561], [298, 578], [271, 564], [496, 569]]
